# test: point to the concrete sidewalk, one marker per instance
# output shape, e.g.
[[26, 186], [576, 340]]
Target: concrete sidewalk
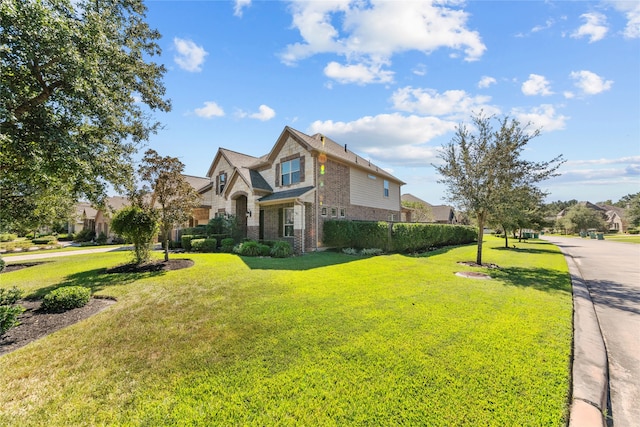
[[54, 254]]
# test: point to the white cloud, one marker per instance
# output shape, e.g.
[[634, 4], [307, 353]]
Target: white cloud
[[372, 32], [394, 138], [239, 6], [621, 160], [190, 56], [536, 85], [631, 9], [548, 24], [358, 73], [543, 117], [210, 109], [264, 113], [590, 83], [430, 102], [486, 81], [595, 27]]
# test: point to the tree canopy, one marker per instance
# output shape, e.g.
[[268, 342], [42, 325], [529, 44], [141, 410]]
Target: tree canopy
[[77, 92], [482, 169]]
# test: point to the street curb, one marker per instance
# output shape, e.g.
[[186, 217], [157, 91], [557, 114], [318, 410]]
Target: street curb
[[590, 379]]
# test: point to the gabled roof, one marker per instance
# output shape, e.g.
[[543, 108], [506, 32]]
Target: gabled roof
[[197, 182], [317, 144], [440, 213], [233, 158]]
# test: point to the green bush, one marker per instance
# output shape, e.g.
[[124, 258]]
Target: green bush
[[65, 237], [371, 252], [204, 245], [9, 317], [250, 248], [199, 230], [265, 250], [281, 249], [85, 235], [8, 237], [412, 237], [9, 312], [12, 246], [2, 264], [66, 298], [9, 296], [634, 231], [44, 240], [226, 245], [185, 240], [101, 239]]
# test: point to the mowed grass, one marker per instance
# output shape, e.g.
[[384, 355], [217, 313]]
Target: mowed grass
[[628, 238], [323, 339]]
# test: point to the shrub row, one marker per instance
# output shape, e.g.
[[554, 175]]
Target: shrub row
[[203, 245], [8, 237], [44, 240], [277, 249], [397, 237]]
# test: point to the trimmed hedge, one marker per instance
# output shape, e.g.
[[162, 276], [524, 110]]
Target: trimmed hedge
[[397, 237], [356, 234], [66, 298], [281, 249], [44, 240], [204, 245], [226, 245]]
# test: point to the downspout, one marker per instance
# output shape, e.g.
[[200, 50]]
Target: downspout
[[304, 225], [317, 207]]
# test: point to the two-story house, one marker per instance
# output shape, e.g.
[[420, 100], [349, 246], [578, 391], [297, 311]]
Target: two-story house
[[288, 193]]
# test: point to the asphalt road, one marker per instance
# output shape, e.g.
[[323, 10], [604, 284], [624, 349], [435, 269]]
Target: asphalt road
[[611, 271]]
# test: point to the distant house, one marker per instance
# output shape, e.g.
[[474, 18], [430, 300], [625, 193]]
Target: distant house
[[288, 193], [612, 215], [440, 214]]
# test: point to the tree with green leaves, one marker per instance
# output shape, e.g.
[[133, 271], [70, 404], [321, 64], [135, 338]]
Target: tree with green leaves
[[519, 208], [581, 218], [77, 90], [481, 167], [170, 194], [139, 226]]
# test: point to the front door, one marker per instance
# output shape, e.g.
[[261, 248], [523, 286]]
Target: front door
[[261, 227], [241, 214]]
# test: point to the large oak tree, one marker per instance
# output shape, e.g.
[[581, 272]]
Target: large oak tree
[[77, 93]]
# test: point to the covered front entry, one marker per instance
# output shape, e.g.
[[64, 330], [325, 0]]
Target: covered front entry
[[242, 214]]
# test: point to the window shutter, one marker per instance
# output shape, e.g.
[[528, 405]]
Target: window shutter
[[301, 168], [278, 175], [280, 222]]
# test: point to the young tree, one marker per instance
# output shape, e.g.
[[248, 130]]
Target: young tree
[[519, 208], [481, 167], [171, 195], [138, 226], [76, 89]]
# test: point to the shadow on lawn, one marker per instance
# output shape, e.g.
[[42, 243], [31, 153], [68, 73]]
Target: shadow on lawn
[[95, 280], [543, 279]]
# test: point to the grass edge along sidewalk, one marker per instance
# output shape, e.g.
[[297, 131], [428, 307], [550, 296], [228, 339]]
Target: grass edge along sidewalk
[[322, 339]]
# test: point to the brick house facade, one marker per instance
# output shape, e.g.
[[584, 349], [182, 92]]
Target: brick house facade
[[303, 181]]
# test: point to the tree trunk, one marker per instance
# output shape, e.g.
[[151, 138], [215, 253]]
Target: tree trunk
[[506, 238], [480, 237], [166, 246]]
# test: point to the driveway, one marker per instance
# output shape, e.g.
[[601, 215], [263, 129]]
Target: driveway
[[611, 273]]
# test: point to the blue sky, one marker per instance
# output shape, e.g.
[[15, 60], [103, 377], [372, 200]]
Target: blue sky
[[392, 79]]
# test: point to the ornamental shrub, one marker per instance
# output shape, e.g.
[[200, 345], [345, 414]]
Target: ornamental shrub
[[226, 245], [371, 252], [185, 240], [2, 264], [281, 249], [66, 298], [250, 248], [8, 237], [203, 245], [44, 240], [85, 235], [9, 312]]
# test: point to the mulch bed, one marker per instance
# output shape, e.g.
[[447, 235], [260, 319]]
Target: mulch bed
[[152, 266], [14, 267], [36, 323]]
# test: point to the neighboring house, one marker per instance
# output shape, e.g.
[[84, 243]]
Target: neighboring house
[[612, 215], [288, 193], [440, 214]]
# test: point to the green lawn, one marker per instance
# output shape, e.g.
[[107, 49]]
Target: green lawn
[[629, 238], [323, 339]]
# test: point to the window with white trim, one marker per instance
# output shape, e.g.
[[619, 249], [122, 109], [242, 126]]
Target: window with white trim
[[290, 172], [288, 222], [386, 188]]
